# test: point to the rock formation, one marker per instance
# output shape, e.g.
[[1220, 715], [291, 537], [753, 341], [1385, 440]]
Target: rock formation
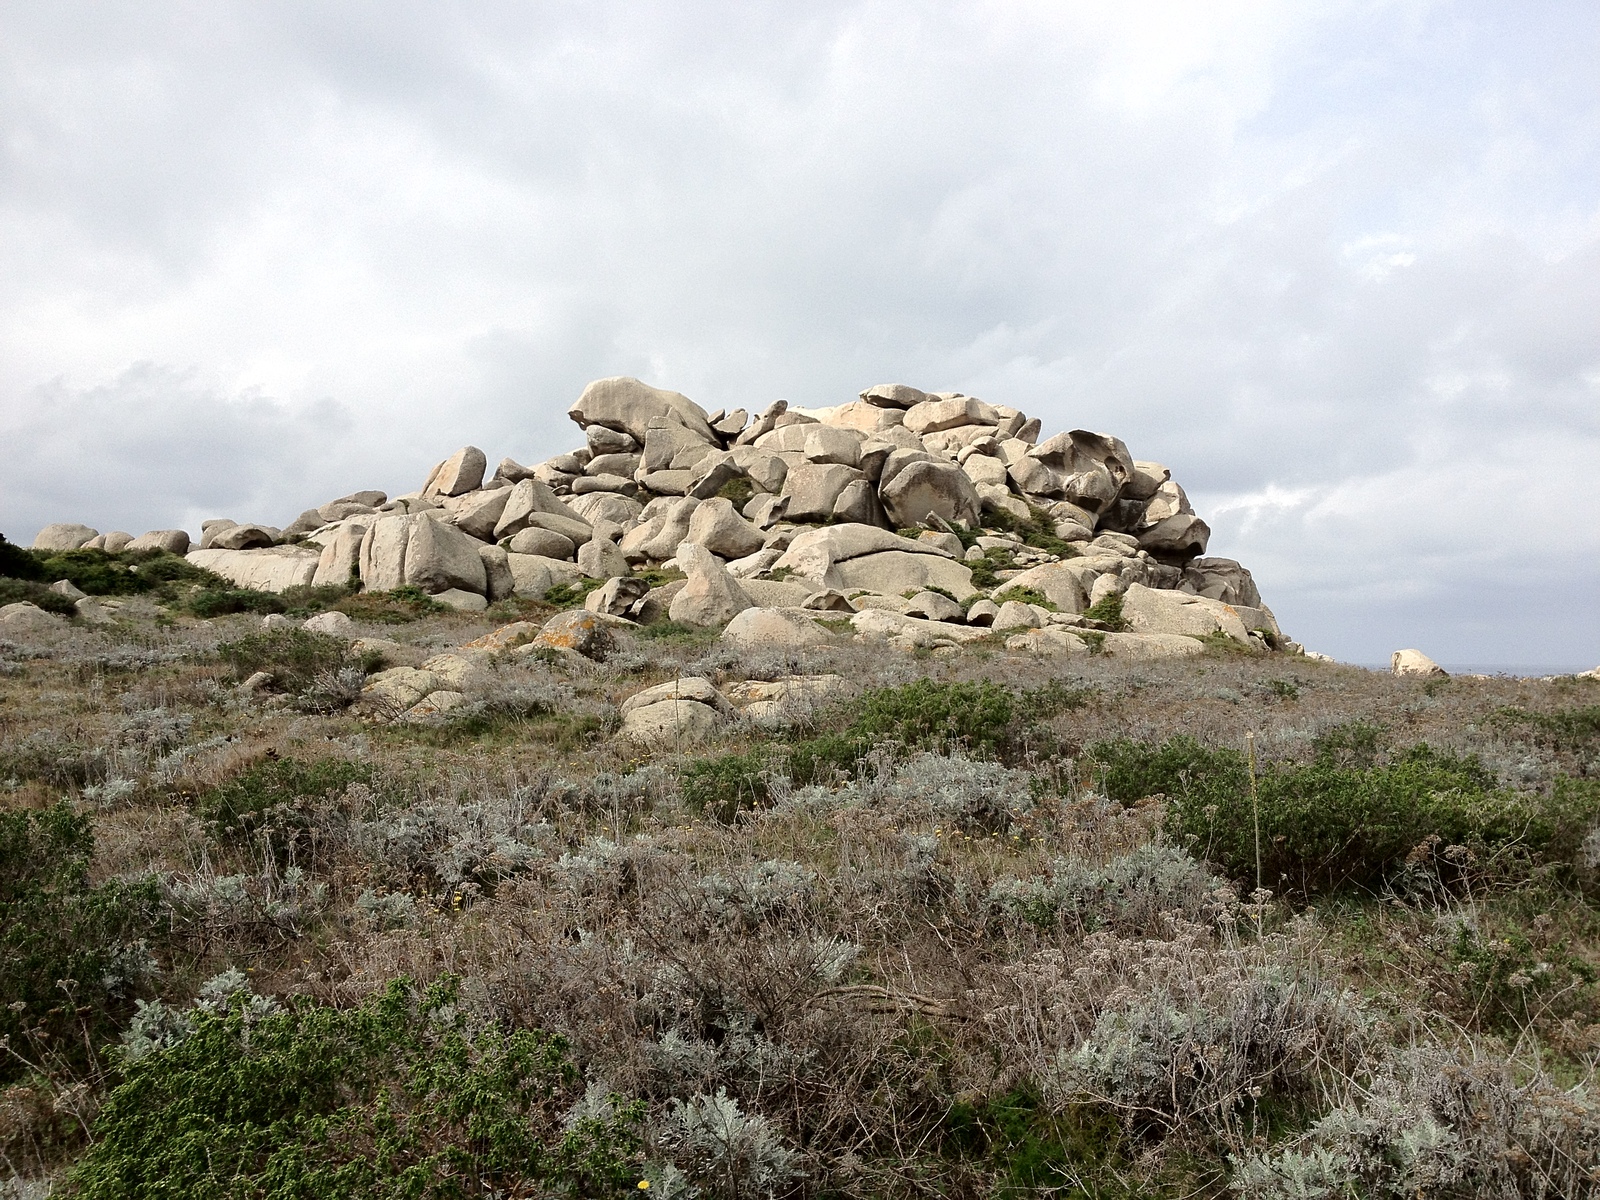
[[927, 519]]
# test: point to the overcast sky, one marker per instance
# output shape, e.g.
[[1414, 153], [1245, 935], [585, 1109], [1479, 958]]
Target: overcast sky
[[1337, 265]]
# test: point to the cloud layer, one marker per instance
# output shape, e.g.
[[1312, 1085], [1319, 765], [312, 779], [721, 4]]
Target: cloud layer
[[1338, 265]]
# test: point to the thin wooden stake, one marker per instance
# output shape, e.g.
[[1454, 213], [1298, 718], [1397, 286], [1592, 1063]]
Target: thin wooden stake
[[1255, 801]]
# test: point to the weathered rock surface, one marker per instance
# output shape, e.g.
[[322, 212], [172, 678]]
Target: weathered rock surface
[[765, 628], [63, 536], [711, 596], [269, 570], [1415, 662]]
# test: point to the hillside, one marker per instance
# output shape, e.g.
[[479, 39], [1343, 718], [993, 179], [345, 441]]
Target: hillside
[[794, 811]]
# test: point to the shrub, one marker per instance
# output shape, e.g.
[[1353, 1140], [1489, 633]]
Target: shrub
[[1570, 730], [275, 790], [395, 607], [977, 716], [1025, 595], [223, 601], [293, 657], [721, 788], [17, 562], [14, 590], [70, 952], [570, 595], [405, 1096], [1108, 611], [1324, 826], [738, 491], [1038, 531]]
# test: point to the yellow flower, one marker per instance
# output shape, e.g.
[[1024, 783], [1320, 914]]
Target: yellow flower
[[644, 1185]]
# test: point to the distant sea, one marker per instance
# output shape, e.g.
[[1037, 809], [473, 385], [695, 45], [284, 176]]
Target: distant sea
[[1515, 670]]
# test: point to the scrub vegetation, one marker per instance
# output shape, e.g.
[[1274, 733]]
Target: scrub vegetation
[[981, 925]]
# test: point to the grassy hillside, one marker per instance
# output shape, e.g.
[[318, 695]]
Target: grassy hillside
[[979, 925]]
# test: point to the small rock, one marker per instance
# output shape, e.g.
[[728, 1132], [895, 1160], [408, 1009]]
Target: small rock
[[934, 607], [333, 623], [544, 542], [257, 682], [581, 630], [691, 687], [673, 722], [276, 621], [461, 601], [616, 595], [982, 612], [173, 541], [711, 596], [828, 600], [24, 616], [1014, 614], [434, 704], [65, 587]]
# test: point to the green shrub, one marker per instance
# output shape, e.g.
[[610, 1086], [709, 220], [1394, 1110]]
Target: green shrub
[[13, 591], [570, 595], [70, 952], [1570, 730], [820, 760], [223, 601], [406, 1096], [293, 657], [1025, 595], [1326, 825], [1108, 611], [396, 607], [277, 791], [975, 716], [721, 788], [17, 562], [737, 491], [675, 631], [1031, 1147], [1038, 531]]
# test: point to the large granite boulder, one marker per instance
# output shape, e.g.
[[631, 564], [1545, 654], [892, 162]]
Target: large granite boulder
[[63, 536], [711, 596], [627, 405], [273, 569]]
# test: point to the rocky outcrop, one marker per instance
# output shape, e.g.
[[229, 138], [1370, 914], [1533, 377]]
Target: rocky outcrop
[[928, 518]]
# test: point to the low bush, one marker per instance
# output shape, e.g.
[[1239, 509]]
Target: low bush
[[1038, 531], [721, 788], [405, 1096], [1108, 611], [295, 658], [13, 591], [396, 607], [224, 601], [1025, 595], [571, 595], [979, 717], [277, 791], [71, 953], [1325, 825]]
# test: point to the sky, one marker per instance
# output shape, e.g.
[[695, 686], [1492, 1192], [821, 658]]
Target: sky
[[1337, 265]]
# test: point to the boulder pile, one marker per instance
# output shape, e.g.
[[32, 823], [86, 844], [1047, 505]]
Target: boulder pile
[[927, 519]]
